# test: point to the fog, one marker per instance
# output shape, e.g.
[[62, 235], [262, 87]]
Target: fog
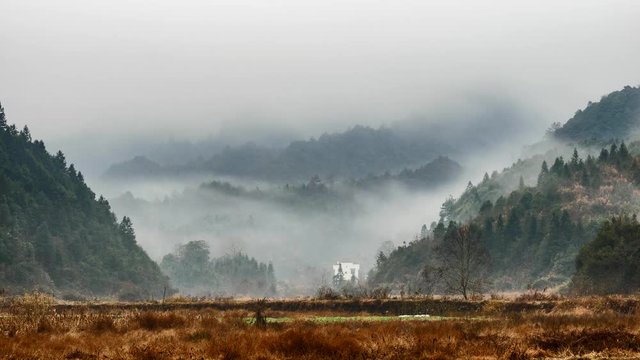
[[105, 81], [124, 71], [302, 236]]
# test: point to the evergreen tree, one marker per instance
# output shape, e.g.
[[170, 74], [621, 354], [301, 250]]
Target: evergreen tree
[[424, 232], [3, 119], [544, 172], [575, 158], [26, 134], [126, 229]]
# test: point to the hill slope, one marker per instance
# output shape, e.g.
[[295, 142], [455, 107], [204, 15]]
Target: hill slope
[[615, 117], [535, 232], [55, 235]]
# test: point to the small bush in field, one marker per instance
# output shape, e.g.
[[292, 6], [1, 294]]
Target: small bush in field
[[102, 323], [157, 321], [381, 292], [327, 293], [199, 335], [536, 295]]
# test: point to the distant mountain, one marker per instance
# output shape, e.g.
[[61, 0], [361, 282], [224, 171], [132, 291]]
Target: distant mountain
[[139, 165], [55, 235], [437, 172], [615, 117], [355, 153]]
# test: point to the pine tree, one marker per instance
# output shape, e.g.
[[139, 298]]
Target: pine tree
[[338, 278], [127, 232], [575, 158], [26, 134], [623, 154], [544, 172], [3, 119], [613, 152], [61, 160], [469, 186], [424, 232]]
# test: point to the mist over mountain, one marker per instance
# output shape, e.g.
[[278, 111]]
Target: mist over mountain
[[355, 153], [547, 207], [316, 221]]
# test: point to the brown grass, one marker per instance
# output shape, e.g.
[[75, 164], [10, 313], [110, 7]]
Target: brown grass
[[595, 327]]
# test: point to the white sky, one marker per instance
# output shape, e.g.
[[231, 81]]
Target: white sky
[[187, 68]]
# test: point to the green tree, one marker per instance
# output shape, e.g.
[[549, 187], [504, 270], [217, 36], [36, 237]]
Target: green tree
[[610, 263], [127, 231], [3, 119]]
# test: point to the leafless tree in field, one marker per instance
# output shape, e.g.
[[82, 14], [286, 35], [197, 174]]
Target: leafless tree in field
[[463, 259]]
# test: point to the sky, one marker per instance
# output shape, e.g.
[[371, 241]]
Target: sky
[[92, 75]]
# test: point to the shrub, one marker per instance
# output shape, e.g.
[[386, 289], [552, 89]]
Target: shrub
[[327, 293], [156, 321]]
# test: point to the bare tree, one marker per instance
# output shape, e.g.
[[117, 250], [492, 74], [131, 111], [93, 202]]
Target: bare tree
[[463, 259]]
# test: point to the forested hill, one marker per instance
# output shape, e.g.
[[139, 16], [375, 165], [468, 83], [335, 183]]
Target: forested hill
[[615, 117], [55, 235], [534, 233]]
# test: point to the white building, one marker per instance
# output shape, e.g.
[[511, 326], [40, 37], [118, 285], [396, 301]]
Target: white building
[[350, 271]]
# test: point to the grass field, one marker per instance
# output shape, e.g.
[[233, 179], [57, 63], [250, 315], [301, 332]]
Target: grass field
[[37, 327], [361, 318]]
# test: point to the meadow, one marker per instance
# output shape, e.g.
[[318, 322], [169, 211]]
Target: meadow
[[37, 326]]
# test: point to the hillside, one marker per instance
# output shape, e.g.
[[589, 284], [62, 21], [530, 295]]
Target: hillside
[[55, 235], [615, 117], [534, 233]]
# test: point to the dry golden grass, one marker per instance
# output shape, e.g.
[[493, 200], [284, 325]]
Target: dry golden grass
[[595, 327]]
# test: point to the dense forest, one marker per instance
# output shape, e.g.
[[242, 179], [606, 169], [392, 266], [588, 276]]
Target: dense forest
[[534, 233], [195, 273], [56, 236]]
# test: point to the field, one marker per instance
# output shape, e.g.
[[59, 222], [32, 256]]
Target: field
[[38, 327]]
